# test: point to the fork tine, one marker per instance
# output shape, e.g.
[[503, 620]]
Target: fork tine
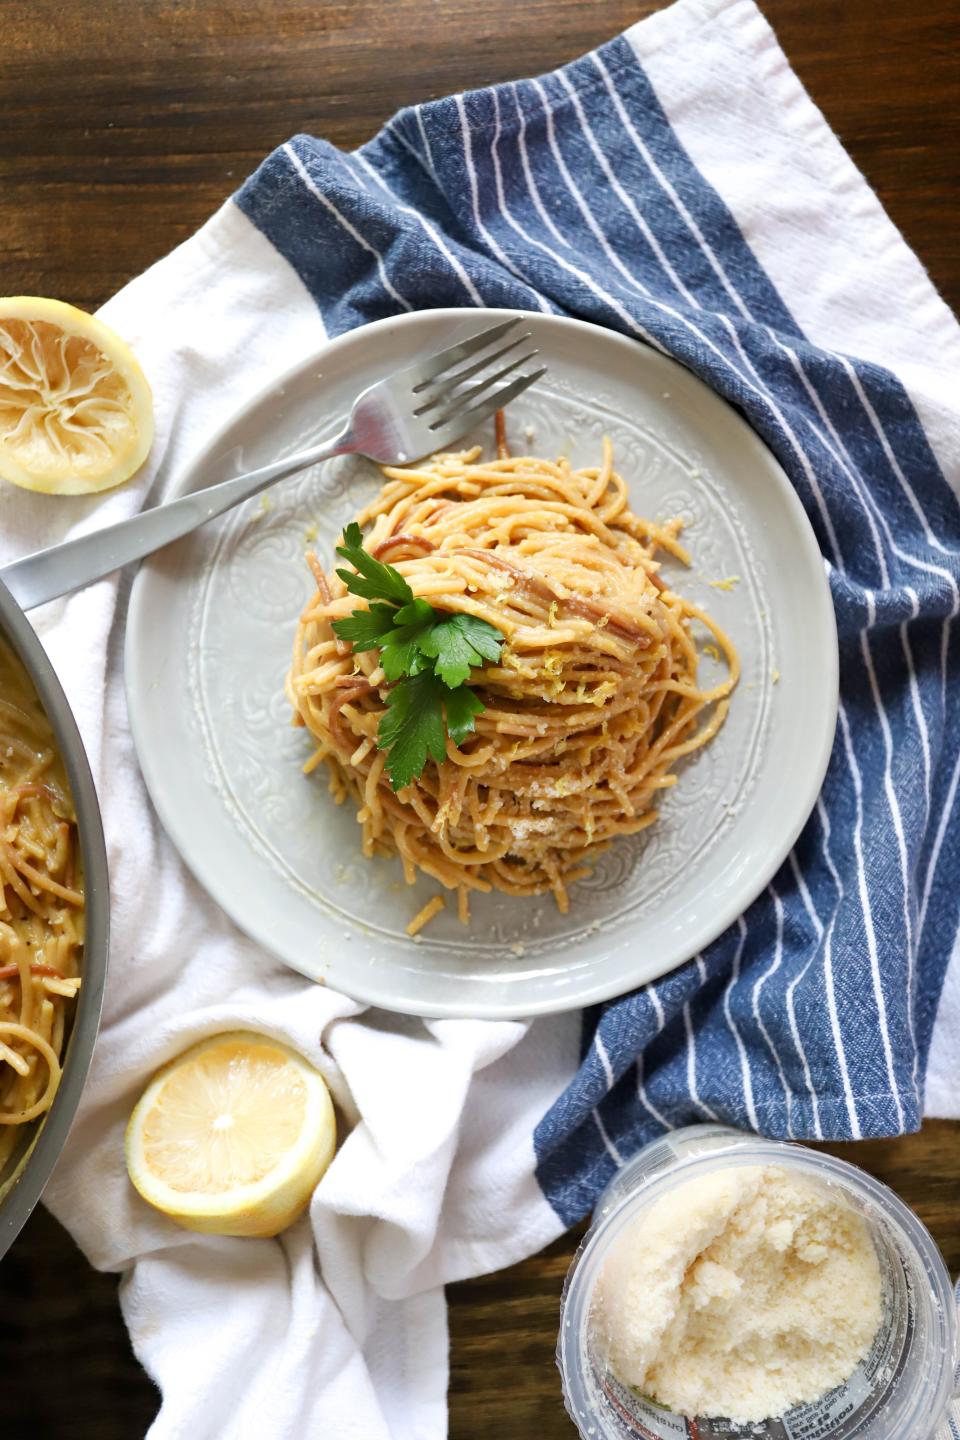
[[456, 403], [465, 420], [440, 390], [434, 365]]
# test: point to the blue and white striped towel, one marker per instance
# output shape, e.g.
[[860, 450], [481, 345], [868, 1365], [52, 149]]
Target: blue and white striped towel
[[679, 186], [581, 193]]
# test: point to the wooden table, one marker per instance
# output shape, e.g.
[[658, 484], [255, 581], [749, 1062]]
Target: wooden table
[[124, 127]]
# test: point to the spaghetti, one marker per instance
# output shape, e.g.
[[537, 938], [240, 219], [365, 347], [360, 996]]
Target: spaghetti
[[593, 702], [41, 906]]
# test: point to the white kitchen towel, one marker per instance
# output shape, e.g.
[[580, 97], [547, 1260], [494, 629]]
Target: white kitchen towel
[[340, 1324]]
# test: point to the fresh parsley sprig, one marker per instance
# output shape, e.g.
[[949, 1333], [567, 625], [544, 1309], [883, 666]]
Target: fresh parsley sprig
[[426, 654]]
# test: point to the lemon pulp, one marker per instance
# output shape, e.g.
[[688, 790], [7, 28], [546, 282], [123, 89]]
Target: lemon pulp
[[224, 1119], [76, 414], [233, 1136]]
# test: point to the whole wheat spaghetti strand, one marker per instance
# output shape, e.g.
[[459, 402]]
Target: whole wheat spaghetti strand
[[594, 699], [426, 914], [41, 907]]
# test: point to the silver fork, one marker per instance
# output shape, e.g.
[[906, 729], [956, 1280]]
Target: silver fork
[[410, 414]]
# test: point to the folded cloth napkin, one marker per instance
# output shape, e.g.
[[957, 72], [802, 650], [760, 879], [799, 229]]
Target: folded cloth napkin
[[679, 186]]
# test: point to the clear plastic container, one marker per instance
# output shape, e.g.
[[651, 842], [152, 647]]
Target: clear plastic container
[[900, 1391]]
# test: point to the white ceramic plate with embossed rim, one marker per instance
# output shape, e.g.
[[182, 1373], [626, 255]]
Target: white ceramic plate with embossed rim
[[211, 624]]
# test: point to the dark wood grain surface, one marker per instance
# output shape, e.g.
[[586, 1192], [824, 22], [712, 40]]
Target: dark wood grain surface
[[123, 127]]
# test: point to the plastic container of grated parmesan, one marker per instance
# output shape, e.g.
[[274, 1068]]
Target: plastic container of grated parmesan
[[876, 1283]]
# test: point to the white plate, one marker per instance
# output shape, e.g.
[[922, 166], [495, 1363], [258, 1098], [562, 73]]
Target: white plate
[[209, 635]]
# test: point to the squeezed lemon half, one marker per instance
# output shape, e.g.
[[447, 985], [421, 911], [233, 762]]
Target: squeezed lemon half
[[232, 1137], [76, 413]]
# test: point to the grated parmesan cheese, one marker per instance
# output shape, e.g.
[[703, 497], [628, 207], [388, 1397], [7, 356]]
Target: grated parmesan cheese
[[741, 1294]]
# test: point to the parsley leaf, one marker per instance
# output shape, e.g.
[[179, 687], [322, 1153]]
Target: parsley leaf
[[461, 707], [375, 580], [366, 629], [425, 654], [459, 644], [417, 612], [412, 727], [400, 654]]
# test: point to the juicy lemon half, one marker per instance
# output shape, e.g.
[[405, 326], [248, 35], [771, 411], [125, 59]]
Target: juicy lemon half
[[232, 1137], [76, 413]]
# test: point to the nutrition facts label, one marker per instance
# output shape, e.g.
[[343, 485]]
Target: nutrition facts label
[[807, 1422], [646, 1421]]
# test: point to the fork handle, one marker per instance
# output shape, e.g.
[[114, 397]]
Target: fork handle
[[60, 569]]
